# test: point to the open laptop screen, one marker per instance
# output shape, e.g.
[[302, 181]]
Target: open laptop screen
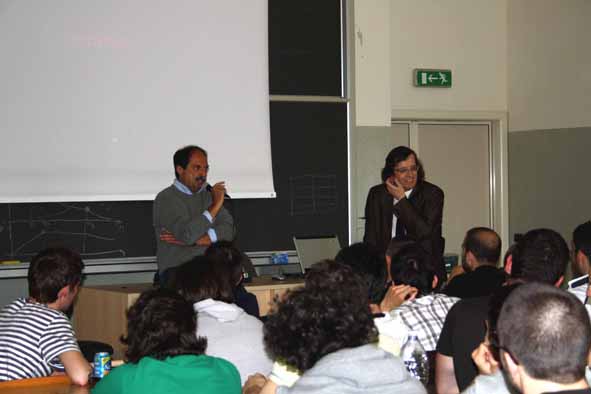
[[314, 249]]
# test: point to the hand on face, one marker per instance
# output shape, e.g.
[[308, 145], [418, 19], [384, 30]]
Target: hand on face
[[484, 360], [395, 189]]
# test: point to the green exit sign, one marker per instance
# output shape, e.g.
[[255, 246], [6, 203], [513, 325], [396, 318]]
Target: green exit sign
[[432, 78]]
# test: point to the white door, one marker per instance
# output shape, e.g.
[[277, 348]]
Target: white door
[[456, 157]]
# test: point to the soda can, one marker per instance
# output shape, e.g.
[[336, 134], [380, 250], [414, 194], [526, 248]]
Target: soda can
[[102, 365]]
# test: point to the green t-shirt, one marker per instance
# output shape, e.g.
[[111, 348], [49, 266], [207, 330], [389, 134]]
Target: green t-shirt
[[181, 374]]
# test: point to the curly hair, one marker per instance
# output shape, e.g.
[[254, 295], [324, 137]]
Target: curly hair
[[330, 312], [161, 324]]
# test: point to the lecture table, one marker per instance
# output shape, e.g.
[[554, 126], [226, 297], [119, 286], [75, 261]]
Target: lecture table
[[48, 385], [99, 312]]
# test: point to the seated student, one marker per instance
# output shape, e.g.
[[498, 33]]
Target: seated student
[[225, 253], [367, 262], [36, 337], [325, 330], [481, 250], [163, 353], [544, 340], [231, 333], [486, 356], [426, 312]]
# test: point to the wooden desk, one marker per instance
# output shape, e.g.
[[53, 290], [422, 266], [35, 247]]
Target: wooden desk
[[48, 385], [99, 313]]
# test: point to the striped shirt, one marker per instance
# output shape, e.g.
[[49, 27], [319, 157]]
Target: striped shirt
[[32, 336]]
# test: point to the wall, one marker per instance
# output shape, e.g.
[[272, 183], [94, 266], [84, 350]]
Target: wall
[[549, 90], [467, 36], [549, 182], [549, 64]]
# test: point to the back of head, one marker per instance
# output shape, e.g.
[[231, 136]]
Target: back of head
[[228, 258], [484, 243], [51, 270], [541, 255], [495, 304], [547, 331], [161, 324], [201, 278], [412, 266], [397, 243], [369, 264], [582, 239], [329, 313]]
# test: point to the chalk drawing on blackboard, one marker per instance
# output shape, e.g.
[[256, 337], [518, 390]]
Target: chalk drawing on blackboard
[[312, 194], [30, 228]]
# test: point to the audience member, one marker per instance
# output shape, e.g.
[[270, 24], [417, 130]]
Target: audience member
[[164, 355], [425, 313], [581, 249], [486, 356], [225, 253], [541, 255], [325, 330], [367, 262], [36, 337], [481, 250], [544, 341], [231, 333], [394, 247]]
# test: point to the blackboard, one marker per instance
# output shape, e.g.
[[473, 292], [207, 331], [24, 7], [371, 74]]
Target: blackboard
[[309, 145], [309, 151]]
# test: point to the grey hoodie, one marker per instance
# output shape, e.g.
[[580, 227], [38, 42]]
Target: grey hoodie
[[365, 369]]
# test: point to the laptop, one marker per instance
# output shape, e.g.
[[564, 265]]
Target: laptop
[[314, 249]]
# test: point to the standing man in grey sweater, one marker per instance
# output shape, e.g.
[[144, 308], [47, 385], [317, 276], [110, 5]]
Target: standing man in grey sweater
[[189, 215]]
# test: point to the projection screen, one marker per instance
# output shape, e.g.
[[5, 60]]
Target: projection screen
[[96, 96]]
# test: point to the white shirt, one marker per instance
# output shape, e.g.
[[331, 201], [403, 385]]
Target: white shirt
[[394, 218]]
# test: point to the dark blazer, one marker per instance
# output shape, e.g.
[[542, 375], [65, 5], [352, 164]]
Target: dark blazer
[[420, 214]]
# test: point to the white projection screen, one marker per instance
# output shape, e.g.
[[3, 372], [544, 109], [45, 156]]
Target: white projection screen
[[95, 96]]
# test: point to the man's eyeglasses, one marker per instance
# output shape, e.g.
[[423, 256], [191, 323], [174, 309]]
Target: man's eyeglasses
[[406, 170]]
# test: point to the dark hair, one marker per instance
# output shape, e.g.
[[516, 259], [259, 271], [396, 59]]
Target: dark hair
[[540, 255], [484, 243], [161, 324], [495, 304], [51, 270], [396, 155], [412, 266], [397, 243], [329, 313], [367, 262], [229, 258], [201, 278], [582, 239], [546, 330], [183, 156]]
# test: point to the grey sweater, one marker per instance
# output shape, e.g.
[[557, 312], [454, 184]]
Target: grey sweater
[[182, 215], [365, 369]]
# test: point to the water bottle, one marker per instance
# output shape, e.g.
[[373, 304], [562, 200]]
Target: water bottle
[[415, 358]]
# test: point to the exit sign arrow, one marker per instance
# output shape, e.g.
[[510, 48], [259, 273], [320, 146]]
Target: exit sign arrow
[[432, 78]]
